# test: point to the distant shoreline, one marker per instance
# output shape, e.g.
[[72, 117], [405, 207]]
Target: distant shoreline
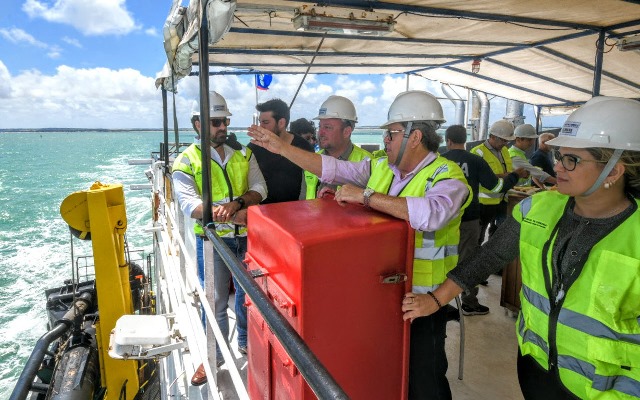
[[43, 130]]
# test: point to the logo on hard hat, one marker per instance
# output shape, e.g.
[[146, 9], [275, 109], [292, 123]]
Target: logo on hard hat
[[322, 111], [570, 128], [219, 108]]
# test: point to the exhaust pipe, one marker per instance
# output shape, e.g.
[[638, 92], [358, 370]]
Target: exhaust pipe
[[485, 106], [457, 102]]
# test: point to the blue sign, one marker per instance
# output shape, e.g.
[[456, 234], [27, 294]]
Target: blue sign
[[263, 81]]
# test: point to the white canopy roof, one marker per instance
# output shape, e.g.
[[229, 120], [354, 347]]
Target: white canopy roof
[[542, 53]]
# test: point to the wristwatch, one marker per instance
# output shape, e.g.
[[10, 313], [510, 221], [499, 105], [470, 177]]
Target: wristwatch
[[368, 192], [240, 201]]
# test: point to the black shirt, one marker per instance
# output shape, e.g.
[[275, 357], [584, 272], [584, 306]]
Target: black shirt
[[283, 177], [543, 160], [478, 172]]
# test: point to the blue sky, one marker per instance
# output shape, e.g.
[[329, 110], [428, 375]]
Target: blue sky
[[92, 64]]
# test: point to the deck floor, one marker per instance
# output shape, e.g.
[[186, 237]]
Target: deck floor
[[489, 359]]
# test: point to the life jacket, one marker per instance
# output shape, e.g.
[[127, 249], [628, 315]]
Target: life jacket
[[436, 253], [485, 196], [311, 180], [227, 182], [592, 334]]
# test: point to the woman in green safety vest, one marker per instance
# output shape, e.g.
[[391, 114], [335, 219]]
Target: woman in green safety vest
[[579, 326]]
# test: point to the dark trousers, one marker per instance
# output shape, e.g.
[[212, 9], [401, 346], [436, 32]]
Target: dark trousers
[[427, 359], [539, 384], [491, 217]]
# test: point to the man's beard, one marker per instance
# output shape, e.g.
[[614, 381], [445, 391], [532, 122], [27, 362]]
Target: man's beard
[[217, 139]]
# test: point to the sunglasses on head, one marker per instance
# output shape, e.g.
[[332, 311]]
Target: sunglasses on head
[[216, 122]]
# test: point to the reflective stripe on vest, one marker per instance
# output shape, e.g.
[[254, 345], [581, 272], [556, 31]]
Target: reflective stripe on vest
[[485, 195], [598, 327], [311, 180], [436, 253], [237, 172]]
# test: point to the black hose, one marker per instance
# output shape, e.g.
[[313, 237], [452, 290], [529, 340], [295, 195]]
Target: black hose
[[23, 387], [316, 375]]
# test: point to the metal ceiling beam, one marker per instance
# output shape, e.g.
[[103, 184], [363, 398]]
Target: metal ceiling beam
[[256, 31], [511, 85], [306, 53], [443, 12], [589, 67], [539, 76], [518, 48]]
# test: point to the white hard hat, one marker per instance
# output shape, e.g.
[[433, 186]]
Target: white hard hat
[[502, 129], [217, 106], [337, 107], [414, 105], [607, 122], [525, 131]]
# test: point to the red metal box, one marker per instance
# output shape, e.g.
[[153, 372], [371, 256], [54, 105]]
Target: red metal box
[[331, 272]]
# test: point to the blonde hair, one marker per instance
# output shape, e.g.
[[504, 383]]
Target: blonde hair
[[631, 161]]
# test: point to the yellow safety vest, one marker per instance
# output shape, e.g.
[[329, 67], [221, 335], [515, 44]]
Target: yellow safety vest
[[597, 326], [436, 253], [226, 183], [485, 196], [311, 180]]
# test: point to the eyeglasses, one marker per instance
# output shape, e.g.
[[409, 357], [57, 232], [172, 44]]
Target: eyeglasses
[[388, 134], [216, 122], [570, 161]]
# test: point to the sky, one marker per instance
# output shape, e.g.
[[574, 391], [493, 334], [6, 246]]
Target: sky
[[93, 63]]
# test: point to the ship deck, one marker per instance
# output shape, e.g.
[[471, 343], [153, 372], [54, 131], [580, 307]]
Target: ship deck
[[489, 355]]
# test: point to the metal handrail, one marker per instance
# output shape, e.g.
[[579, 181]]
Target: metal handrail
[[317, 376]]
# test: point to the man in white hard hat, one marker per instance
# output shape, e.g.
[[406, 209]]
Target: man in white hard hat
[[416, 184], [526, 136], [236, 183], [494, 152], [338, 118]]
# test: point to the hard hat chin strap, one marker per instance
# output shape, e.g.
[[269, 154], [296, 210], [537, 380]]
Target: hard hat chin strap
[[605, 172], [405, 139]]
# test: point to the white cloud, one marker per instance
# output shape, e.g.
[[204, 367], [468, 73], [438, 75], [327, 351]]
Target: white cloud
[[72, 42], [120, 99], [83, 98], [19, 36], [54, 52], [98, 17], [152, 32]]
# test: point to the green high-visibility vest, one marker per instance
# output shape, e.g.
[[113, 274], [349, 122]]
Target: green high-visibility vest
[[227, 182], [485, 196], [517, 152], [594, 339], [311, 180], [436, 253]]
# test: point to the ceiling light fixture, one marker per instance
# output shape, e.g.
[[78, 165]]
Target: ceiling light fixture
[[340, 20], [475, 65], [629, 43]]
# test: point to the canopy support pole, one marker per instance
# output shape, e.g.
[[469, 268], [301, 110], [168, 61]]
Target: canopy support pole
[[203, 57], [597, 70]]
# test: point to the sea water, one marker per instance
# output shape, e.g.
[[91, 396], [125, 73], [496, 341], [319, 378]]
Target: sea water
[[38, 170]]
